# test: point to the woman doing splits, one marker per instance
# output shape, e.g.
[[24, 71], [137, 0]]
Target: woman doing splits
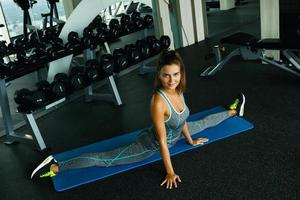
[[168, 113]]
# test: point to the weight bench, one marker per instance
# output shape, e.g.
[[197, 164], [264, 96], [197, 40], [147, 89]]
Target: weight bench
[[251, 48]]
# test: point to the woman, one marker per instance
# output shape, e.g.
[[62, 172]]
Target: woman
[[168, 113]]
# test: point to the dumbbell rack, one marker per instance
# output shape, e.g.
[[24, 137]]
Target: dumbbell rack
[[114, 93], [89, 94]]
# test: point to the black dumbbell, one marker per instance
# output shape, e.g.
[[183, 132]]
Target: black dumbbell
[[114, 28], [45, 86], [59, 87], [154, 45], [102, 33], [92, 70], [148, 21], [106, 65], [126, 25], [165, 41], [56, 47], [19, 43], [133, 54], [38, 54], [137, 21], [144, 48], [23, 98], [77, 78], [74, 42], [38, 99], [121, 60], [30, 99]]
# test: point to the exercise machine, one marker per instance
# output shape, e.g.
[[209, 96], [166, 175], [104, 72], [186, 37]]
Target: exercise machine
[[252, 48]]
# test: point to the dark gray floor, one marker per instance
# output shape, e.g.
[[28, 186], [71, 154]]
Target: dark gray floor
[[262, 164]]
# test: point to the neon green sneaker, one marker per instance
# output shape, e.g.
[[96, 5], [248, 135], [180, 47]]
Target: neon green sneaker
[[48, 174], [239, 105], [234, 105], [43, 170]]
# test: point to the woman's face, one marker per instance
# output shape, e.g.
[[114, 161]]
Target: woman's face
[[170, 76]]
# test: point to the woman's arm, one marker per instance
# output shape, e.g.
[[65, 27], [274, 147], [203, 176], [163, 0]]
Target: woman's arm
[[187, 135], [158, 109]]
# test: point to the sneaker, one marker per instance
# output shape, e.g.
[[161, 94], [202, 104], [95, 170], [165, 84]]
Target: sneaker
[[239, 105], [43, 170]]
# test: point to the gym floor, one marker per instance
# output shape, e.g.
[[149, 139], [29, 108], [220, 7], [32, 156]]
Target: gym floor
[[261, 164]]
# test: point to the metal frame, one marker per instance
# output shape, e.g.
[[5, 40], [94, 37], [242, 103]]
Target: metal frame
[[249, 53]]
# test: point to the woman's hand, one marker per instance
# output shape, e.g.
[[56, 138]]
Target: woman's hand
[[199, 141], [170, 180]]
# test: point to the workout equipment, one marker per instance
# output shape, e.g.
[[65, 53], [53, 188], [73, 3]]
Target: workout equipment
[[126, 25], [106, 66], [74, 42], [121, 60], [91, 71], [251, 48], [153, 44], [60, 86], [77, 80], [29, 100], [114, 28], [45, 86], [165, 41], [144, 48], [74, 178], [134, 55], [148, 21], [137, 21]]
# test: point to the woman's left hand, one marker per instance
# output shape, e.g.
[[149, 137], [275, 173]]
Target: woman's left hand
[[199, 141]]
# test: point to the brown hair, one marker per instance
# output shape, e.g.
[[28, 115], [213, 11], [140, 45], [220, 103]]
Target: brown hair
[[169, 57]]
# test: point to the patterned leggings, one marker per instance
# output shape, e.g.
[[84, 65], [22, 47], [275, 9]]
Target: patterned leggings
[[135, 151]]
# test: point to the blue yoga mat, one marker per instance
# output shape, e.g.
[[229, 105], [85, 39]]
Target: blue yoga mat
[[74, 178]]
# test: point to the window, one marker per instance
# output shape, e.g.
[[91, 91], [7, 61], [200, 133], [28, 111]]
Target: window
[[14, 14]]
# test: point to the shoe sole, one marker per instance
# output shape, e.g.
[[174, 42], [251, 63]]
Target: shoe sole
[[241, 113], [45, 162]]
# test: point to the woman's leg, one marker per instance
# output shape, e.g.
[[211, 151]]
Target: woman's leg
[[209, 121], [131, 153]]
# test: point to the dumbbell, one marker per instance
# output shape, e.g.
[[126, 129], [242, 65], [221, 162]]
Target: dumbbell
[[114, 28], [106, 65], [154, 45], [137, 21], [74, 42], [91, 71], [55, 47], [144, 48], [121, 60], [148, 21], [102, 33], [59, 86], [89, 40], [38, 54], [95, 34], [19, 43], [126, 24], [45, 86], [30, 100], [22, 57], [165, 41], [133, 53], [22, 98], [77, 80]]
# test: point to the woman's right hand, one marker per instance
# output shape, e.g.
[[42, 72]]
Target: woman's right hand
[[170, 180]]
